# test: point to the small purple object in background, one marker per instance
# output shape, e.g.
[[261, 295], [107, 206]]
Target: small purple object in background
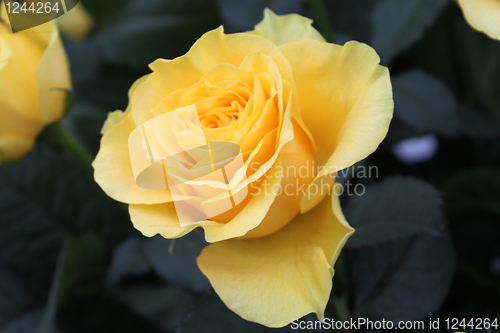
[[416, 150]]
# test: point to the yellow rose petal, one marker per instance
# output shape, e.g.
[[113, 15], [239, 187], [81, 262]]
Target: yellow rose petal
[[345, 99], [113, 171], [298, 171], [15, 124], [21, 122], [158, 219], [34, 82], [53, 78], [117, 116], [483, 15], [146, 96], [3, 14], [112, 167], [282, 29], [114, 118], [19, 90], [77, 23], [33, 66], [274, 279], [213, 48], [162, 219], [13, 147]]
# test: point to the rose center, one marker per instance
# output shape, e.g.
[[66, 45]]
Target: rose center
[[219, 105]]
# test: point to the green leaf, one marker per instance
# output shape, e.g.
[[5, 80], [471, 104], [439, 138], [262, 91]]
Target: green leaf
[[61, 138], [395, 208], [483, 255], [136, 257], [472, 204], [479, 65], [84, 122], [103, 10], [477, 124], [29, 238], [435, 52], [129, 259], [351, 20], [26, 323], [425, 103], [82, 259], [88, 59], [473, 193], [140, 39], [19, 295], [44, 197], [99, 82], [164, 306], [398, 24], [101, 313], [148, 8], [211, 315], [179, 267], [243, 15], [467, 60], [406, 279], [109, 86], [69, 100], [50, 188]]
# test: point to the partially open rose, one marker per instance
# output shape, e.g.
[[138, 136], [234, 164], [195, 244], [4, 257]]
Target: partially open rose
[[299, 109], [34, 79]]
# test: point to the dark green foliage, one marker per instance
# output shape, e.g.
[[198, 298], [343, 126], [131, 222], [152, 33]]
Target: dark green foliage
[[395, 208], [427, 240]]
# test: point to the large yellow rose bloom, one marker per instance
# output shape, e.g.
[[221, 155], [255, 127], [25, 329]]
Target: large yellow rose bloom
[[34, 80], [483, 15], [289, 100]]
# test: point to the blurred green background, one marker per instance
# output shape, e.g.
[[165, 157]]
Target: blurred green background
[[428, 227]]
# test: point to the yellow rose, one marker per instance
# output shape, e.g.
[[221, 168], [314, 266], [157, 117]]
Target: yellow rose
[[77, 23], [300, 109], [483, 15], [34, 79]]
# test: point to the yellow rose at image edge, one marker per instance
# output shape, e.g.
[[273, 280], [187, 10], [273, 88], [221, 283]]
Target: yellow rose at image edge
[[34, 80], [483, 15], [77, 23], [334, 105]]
